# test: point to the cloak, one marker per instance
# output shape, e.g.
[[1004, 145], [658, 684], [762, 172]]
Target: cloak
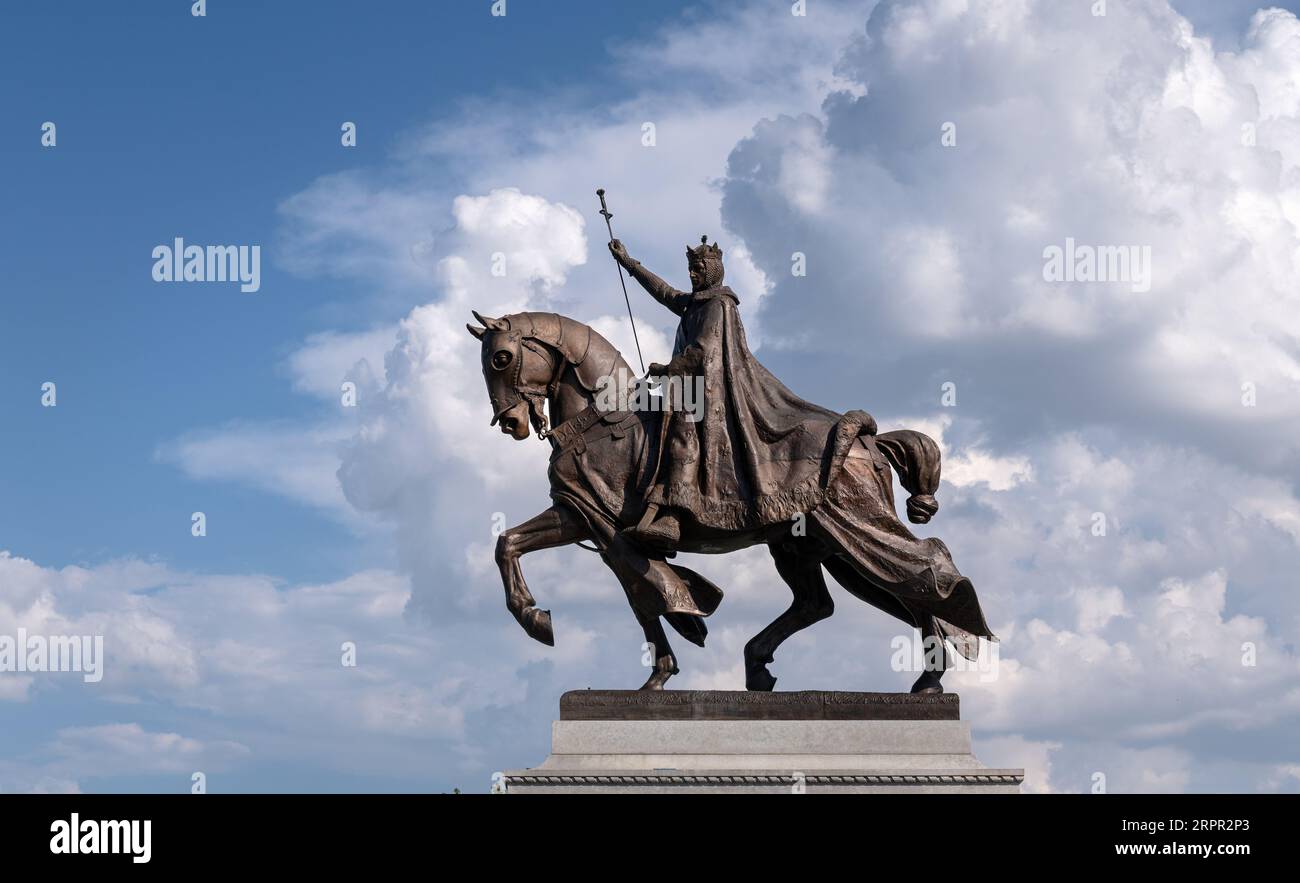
[[754, 456]]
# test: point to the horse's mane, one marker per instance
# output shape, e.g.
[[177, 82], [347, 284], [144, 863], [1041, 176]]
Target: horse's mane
[[582, 346]]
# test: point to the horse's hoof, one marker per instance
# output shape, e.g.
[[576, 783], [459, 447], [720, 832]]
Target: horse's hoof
[[538, 626], [928, 682], [665, 668], [657, 680], [760, 680]]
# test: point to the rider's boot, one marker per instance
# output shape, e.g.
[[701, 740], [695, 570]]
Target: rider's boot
[[658, 529]]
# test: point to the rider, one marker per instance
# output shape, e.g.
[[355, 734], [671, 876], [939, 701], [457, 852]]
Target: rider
[[751, 460]]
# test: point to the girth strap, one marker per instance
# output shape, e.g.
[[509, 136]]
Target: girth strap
[[571, 432]]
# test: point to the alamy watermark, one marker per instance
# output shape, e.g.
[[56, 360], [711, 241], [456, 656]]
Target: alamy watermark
[[624, 391], [179, 262], [49, 653], [927, 654], [1098, 263]]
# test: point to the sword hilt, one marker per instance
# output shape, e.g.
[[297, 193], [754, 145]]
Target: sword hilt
[[604, 210]]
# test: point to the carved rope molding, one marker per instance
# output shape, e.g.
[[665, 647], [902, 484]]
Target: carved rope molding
[[768, 779], [741, 697]]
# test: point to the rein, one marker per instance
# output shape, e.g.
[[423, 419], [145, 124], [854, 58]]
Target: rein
[[535, 395]]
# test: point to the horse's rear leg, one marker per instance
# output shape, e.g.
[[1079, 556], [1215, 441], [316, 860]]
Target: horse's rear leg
[[936, 663], [557, 526], [935, 656], [665, 662], [799, 564]]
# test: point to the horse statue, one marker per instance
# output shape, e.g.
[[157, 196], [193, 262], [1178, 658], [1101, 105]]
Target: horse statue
[[838, 513]]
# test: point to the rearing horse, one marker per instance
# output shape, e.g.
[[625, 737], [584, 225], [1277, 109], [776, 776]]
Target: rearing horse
[[540, 364]]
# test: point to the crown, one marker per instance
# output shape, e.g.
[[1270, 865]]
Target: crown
[[704, 250]]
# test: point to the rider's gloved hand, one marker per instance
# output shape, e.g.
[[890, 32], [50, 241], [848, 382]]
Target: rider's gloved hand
[[619, 252]]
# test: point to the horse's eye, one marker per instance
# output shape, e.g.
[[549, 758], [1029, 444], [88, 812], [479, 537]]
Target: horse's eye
[[502, 359]]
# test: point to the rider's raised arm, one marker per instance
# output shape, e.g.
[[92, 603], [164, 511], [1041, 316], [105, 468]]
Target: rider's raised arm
[[675, 300]]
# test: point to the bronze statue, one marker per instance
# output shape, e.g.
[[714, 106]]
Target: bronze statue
[[759, 465]]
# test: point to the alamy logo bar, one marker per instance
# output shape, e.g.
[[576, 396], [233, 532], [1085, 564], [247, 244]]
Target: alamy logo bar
[[78, 836]]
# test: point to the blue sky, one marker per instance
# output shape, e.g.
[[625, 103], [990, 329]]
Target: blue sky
[[172, 125], [177, 398]]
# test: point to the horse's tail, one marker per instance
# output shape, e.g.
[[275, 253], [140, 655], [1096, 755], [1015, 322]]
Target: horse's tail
[[915, 457]]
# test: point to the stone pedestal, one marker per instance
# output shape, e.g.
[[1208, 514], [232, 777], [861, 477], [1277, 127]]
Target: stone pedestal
[[712, 741]]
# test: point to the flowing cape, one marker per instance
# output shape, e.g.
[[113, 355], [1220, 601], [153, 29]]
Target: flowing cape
[[756, 452]]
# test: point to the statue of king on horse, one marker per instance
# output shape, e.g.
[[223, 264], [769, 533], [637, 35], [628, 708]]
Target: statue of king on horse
[[752, 458], [752, 464]]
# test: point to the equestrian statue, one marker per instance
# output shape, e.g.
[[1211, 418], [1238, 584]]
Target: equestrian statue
[[642, 477]]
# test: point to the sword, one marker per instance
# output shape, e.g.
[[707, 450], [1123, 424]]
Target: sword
[[604, 210]]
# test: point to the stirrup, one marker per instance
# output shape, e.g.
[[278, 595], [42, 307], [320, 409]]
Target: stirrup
[[660, 534], [647, 517]]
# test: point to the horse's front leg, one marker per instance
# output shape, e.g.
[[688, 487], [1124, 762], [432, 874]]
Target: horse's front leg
[[557, 526]]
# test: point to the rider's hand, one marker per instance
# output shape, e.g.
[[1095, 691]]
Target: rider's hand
[[619, 252]]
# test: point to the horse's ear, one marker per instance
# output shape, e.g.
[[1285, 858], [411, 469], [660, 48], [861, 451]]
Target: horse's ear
[[488, 322], [476, 331]]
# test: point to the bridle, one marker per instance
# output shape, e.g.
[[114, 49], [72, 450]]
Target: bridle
[[518, 391]]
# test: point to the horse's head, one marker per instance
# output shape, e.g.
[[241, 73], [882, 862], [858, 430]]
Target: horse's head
[[519, 372]]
